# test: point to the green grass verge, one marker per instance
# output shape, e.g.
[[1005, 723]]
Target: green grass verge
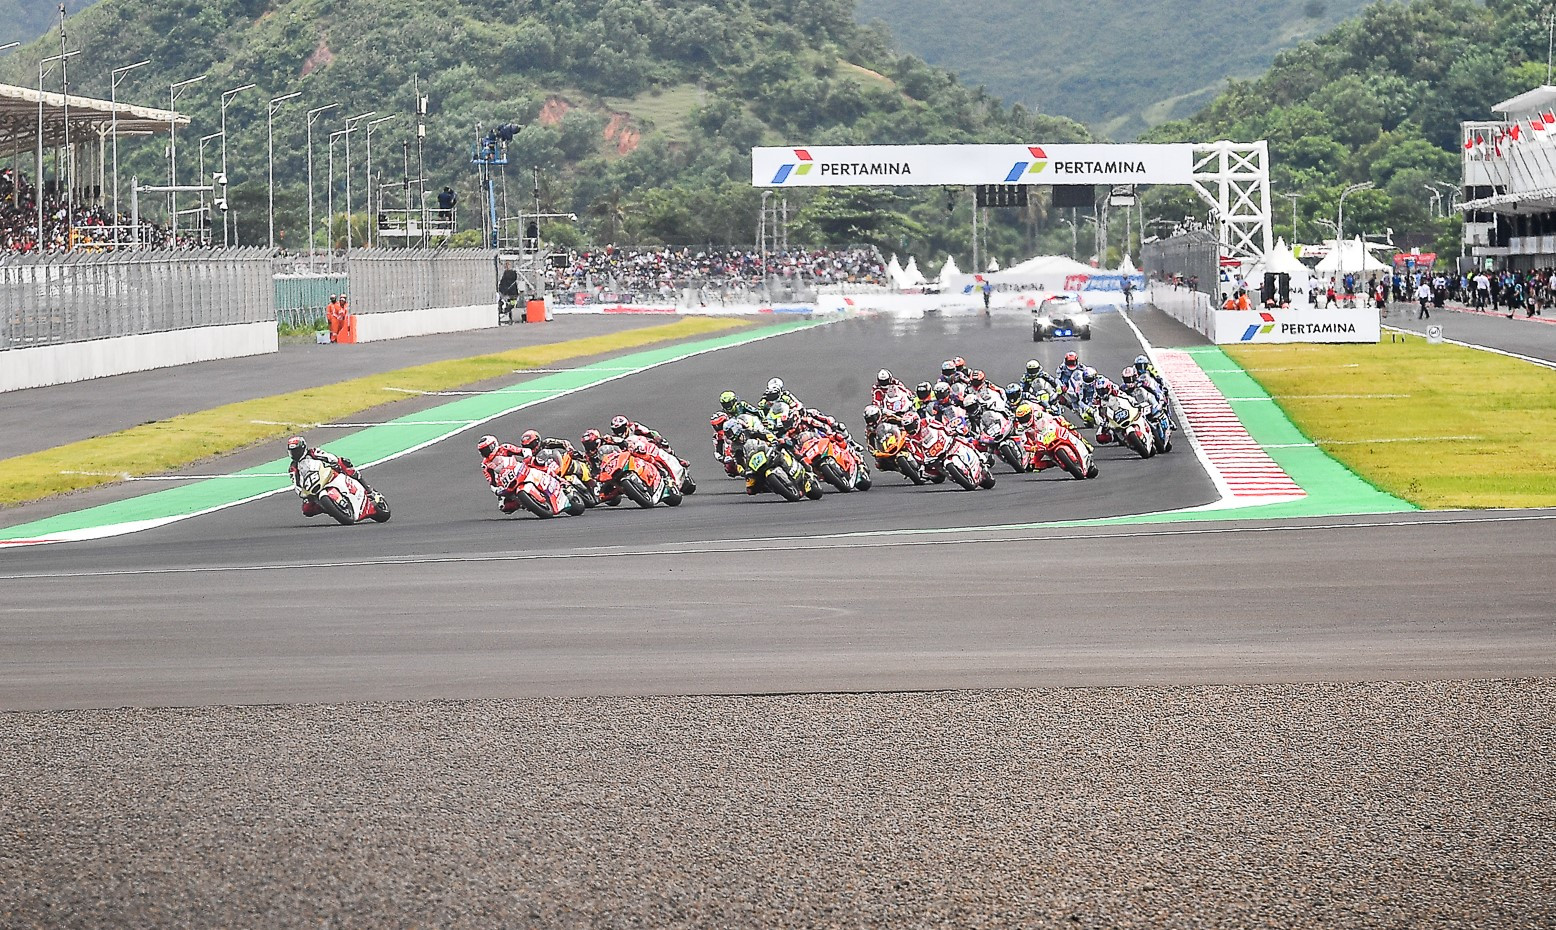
[[1440, 426], [181, 441]]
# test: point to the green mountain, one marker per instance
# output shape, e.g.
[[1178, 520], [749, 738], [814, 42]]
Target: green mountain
[[25, 20], [639, 113], [1379, 99], [1119, 66]]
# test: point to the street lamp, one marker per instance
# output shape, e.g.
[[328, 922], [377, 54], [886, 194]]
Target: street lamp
[[44, 70], [270, 156], [1074, 242], [203, 140], [172, 158], [1293, 198], [371, 225], [1339, 224], [226, 98], [312, 114], [350, 128], [118, 75], [330, 194], [8, 46]]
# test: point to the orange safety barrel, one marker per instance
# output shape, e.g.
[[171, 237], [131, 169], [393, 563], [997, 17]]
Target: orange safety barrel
[[535, 311]]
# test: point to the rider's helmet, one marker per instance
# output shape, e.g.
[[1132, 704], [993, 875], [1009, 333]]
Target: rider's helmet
[[734, 431], [718, 420], [942, 391], [924, 391], [1071, 360], [530, 440], [1089, 376], [590, 439], [961, 364], [973, 404], [774, 388], [947, 369], [486, 445], [1130, 375], [297, 447], [727, 400], [1023, 413], [1034, 367], [872, 415], [910, 422], [1013, 393], [620, 425], [978, 379], [883, 377], [1105, 387], [1142, 362]]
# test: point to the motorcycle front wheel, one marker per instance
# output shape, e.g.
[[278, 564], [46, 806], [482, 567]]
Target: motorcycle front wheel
[[909, 466], [783, 486], [956, 473], [1012, 456], [534, 506], [633, 487], [336, 509], [833, 475]]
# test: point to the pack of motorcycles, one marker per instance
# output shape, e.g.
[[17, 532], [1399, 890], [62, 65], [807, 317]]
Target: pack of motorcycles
[[791, 453]]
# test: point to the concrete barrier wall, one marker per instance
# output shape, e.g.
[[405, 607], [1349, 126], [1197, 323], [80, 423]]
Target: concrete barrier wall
[[397, 324], [38, 366], [1191, 308]]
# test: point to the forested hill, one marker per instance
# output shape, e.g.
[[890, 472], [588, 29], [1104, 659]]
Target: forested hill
[[1378, 99], [1119, 66], [25, 20], [641, 113]]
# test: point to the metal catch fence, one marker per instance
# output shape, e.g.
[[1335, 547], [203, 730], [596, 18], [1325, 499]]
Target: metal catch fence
[[76, 296], [1191, 261], [385, 280]]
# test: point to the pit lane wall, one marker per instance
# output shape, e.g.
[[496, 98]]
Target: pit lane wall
[[1232, 327], [398, 324], [38, 366]]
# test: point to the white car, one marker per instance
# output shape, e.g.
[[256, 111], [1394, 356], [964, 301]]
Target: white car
[[1060, 317]]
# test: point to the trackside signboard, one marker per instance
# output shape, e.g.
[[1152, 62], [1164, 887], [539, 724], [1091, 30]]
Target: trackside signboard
[[1240, 326], [907, 165]]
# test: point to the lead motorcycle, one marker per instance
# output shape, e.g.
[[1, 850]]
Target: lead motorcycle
[[1125, 423], [534, 488], [338, 494]]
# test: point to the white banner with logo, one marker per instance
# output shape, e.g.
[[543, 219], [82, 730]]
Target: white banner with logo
[[1258, 326], [906, 165]]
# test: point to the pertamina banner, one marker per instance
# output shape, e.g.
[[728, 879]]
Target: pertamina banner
[[909, 165]]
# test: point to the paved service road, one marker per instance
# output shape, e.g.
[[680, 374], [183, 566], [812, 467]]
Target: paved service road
[[1520, 336]]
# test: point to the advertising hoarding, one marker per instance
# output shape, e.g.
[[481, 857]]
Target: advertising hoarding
[[917, 165]]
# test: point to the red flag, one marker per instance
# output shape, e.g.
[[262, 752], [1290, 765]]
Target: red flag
[[1469, 144], [1513, 132], [1537, 123]]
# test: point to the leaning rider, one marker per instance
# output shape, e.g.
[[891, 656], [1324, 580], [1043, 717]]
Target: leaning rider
[[776, 393], [297, 448], [491, 449], [733, 406], [884, 381]]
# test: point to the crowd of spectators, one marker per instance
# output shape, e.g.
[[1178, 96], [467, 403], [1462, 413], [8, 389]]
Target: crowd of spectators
[[645, 271], [86, 224]]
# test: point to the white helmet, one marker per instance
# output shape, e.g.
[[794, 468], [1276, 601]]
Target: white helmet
[[775, 387], [883, 376]]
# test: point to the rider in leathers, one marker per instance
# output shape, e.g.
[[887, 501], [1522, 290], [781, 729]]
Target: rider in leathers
[[490, 450], [297, 448]]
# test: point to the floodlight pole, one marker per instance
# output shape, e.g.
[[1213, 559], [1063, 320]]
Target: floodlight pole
[[349, 130], [1339, 224], [270, 157], [118, 75], [172, 125], [371, 225], [44, 72], [312, 114], [226, 98]]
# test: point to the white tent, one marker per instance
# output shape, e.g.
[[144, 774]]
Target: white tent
[[1351, 257], [1127, 266], [1282, 259], [994, 265], [911, 276], [1049, 271], [949, 272]]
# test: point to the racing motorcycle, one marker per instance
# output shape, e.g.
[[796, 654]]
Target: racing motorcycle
[[1058, 444], [1125, 423], [1156, 417], [571, 468], [947, 455], [338, 494], [996, 436], [834, 460], [897, 401], [894, 452], [534, 487], [678, 470], [772, 467], [633, 473]]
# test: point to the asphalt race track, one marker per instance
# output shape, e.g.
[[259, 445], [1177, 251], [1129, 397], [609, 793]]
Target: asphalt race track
[[451, 599]]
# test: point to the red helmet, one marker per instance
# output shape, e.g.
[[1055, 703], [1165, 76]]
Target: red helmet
[[910, 422], [486, 445], [591, 439], [297, 447], [1071, 359], [619, 425], [718, 420], [960, 363], [978, 378], [530, 440]]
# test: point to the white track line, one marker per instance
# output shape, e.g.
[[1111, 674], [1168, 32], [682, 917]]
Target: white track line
[[1542, 362]]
